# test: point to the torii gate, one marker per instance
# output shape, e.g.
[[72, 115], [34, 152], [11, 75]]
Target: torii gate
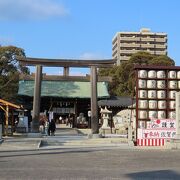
[[66, 63]]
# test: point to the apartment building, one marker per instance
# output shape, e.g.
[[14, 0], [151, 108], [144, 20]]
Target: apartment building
[[124, 44]]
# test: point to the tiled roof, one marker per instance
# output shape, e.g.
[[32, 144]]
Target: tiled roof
[[65, 89], [116, 102]]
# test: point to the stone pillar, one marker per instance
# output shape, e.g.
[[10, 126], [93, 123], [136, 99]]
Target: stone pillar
[[7, 118], [75, 114], [36, 100], [94, 106], [66, 71], [177, 115], [0, 133]]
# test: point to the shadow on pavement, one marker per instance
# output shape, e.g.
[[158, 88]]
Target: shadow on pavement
[[49, 152], [161, 174]]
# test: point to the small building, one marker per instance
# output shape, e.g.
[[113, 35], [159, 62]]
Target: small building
[[121, 113], [7, 116], [115, 103]]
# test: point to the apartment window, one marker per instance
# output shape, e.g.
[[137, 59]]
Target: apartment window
[[159, 43], [126, 42], [160, 49], [138, 35], [123, 35], [124, 54], [160, 36], [152, 49], [127, 35], [144, 36], [126, 48]]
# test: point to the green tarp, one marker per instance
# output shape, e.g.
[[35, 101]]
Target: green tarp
[[65, 89]]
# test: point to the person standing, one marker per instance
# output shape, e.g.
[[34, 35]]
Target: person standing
[[71, 121], [16, 124]]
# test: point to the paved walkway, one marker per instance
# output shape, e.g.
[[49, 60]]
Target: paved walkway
[[65, 137]]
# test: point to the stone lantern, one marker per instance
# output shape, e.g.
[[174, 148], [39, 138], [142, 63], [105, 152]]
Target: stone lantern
[[105, 114]]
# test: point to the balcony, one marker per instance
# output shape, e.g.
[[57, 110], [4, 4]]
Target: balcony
[[129, 51], [147, 39], [161, 46], [160, 52], [160, 40], [147, 45], [129, 45], [114, 53], [124, 58], [114, 47], [130, 38]]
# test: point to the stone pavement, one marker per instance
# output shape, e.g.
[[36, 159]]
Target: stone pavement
[[65, 137]]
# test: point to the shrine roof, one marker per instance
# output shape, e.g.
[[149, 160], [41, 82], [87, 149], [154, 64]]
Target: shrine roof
[[65, 89]]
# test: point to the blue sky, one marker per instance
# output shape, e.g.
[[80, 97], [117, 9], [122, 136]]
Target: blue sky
[[83, 29]]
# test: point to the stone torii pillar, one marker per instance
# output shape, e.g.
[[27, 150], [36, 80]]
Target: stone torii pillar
[[66, 71], [94, 106], [37, 99]]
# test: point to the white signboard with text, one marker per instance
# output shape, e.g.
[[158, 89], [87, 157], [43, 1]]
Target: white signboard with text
[[158, 129]]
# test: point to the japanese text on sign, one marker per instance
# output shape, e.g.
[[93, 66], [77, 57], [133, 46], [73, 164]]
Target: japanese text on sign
[[161, 124], [161, 129]]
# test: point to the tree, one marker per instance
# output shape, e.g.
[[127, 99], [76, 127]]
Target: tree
[[124, 75], [10, 69], [162, 61]]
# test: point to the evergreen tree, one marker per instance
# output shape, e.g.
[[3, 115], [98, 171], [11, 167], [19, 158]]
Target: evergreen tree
[[10, 69], [124, 75]]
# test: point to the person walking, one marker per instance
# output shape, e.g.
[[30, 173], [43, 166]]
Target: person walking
[[46, 128], [52, 127]]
